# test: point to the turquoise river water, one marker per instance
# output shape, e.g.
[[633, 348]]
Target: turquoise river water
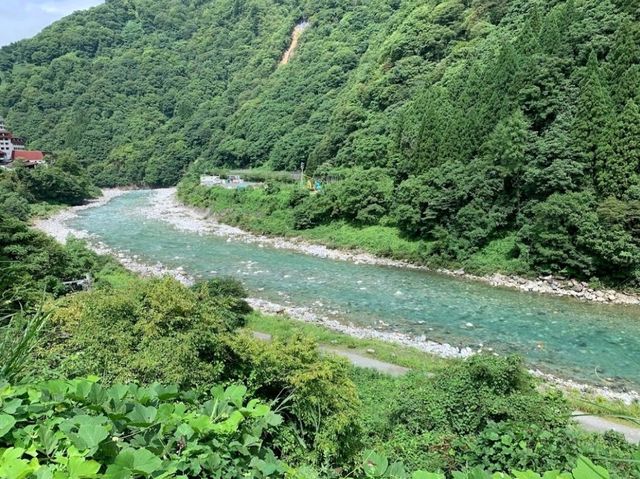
[[593, 343]]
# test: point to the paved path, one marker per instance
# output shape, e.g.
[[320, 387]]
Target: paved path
[[356, 359], [366, 362], [587, 422], [602, 425]]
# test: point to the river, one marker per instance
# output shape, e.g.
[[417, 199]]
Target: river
[[593, 343]]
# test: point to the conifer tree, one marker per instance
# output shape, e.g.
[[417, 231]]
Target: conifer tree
[[593, 117], [506, 148], [619, 170], [624, 54]]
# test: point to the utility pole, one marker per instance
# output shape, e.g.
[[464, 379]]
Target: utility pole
[[302, 174]]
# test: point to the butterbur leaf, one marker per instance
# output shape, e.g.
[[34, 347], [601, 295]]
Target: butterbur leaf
[[166, 392], [184, 430], [6, 424], [117, 392], [476, 473], [10, 407], [201, 424], [585, 469], [89, 436], [48, 439], [142, 416], [44, 472], [235, 394], [375, 465], [115, 471], [83, 389], [526, 475], [56, 388], [230, 424], [80, 468], [139, 461], [12, 466], [396, 471], [274, 419]]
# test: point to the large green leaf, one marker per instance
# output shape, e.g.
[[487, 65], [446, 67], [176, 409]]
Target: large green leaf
[[6, 424], [375, 465], [142, 416], [89, 436], [585, 469], [79, 468], [139, 461], [12, 466], [426, 475]]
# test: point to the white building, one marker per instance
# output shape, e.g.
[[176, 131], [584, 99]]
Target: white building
[[6, 143]]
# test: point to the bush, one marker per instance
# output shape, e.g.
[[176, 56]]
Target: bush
[[154, 331], [56, 185], [313, 211], [480, 390], [363, 197], [316, 396]]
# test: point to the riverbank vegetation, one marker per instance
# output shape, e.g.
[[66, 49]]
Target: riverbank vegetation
[[85, 398], [324, 414]]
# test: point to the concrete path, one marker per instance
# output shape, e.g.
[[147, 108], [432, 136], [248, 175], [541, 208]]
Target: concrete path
[[366, 362], [602, 425], [356, 359], [587, 422]]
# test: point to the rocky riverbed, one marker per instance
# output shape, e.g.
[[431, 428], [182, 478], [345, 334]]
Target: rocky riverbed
[[167, 208]]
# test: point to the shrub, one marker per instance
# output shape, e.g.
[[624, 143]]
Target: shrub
[[475, 392], [315, 394], [154, 331]]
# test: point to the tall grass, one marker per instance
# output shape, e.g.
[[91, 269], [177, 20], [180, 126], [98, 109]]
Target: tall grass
[[19, 334]]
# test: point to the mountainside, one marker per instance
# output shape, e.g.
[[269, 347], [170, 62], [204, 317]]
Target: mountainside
[[490, 118]]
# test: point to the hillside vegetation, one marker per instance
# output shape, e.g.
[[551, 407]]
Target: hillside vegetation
[[512, 121]]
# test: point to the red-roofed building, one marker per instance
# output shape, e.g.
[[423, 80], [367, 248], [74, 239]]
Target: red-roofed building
[[12, 149], [26, 155]]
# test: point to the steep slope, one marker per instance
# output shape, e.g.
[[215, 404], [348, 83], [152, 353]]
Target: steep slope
[[507, 120]]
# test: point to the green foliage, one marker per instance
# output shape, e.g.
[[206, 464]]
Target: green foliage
[[19, 334], [158, 331], [54, 184], [457, 118], [473, 393], [572, 234], [315, 395], [377, 466], [82, 429], [34, 265]]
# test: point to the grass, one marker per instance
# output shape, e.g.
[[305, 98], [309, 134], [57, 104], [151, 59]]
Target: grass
[[379, 240], [44, 210], [498, 256], [284, 327]]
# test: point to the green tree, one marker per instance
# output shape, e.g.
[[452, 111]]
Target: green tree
[[621, 168], [593, 117]]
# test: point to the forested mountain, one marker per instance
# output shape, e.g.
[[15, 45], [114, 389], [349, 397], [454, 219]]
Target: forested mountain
[[490, 118]]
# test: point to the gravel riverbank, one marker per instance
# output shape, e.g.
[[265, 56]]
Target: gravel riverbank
[[166, 207]]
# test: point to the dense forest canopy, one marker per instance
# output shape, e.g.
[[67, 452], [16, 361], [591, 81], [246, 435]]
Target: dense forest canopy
[[491, 119]]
